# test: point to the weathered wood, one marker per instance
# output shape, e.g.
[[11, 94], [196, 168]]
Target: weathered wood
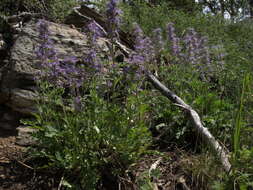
[[203, 131], [21, 17], [82, 15]]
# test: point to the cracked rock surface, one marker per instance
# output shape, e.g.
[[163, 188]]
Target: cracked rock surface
[[17, 85]]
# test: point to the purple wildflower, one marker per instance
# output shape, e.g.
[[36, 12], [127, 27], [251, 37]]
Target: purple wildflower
[[70, 59], [45, 52], [72, 74], [144, 50], [175, 41], [196, 48], [94, 32], [190, 42], [64, 73], [191, 48], [113, 18], [157, 40], [204, 50], [113, 23]]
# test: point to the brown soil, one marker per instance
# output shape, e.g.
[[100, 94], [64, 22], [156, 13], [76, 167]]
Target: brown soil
[[9, 152], [15, 173]]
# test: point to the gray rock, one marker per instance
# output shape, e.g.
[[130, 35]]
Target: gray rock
[[6, 126], [24, 137], [18, 65], [17, 81], [22, 101]]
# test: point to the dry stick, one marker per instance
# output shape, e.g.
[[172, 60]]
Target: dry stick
[[61, 182], [19, 17], [204, 132], [23, 164]]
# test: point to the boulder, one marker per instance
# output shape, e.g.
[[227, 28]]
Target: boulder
[[17, 78], [18, 65]]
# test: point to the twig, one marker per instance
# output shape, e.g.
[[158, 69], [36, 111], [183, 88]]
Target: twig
[[154, 166], [17, 18], [23, 164], [60, 184]]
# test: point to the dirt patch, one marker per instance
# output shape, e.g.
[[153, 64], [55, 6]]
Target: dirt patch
[[16, 173], [10, 152], [168, 170], [161, 171], [8, 149]]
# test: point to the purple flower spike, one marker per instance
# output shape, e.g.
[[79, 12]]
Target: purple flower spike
[[91, 58], [158, 40], [144, 50], [95, 31], [45, 51], [64, 73], [113, 19], [175, 41]]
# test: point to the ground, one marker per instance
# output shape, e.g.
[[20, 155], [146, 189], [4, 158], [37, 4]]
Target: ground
[[162, 171], [15, 173]]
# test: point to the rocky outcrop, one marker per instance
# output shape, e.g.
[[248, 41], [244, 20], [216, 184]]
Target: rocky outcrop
[[18, 63], [17, 83]]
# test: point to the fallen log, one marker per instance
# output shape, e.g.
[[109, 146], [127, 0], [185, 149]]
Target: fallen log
[[203, 131]]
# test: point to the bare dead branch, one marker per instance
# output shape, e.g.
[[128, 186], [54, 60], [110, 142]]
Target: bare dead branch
[[19, 17], [203, 131]]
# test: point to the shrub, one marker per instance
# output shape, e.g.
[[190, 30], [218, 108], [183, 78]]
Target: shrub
[[90, 120], [53, 9], [92, 137], [84, 129]]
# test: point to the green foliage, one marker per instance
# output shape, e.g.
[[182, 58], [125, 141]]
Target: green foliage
[[233, 40], [141, 13], [104, 137], [242, 155], [10, 7], [146, 178], [53, 9], [216, 100], [111, 131]]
